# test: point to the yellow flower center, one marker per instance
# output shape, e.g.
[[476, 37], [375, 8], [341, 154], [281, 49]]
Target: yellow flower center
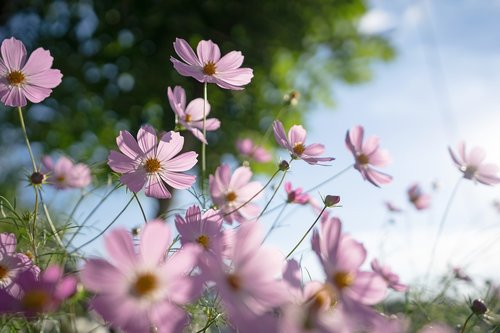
[[3, 272], [209, 68], [35, 300], [234, 282], [204, 241], [299, 148], [144, 285], [15, 78], [187, 119], [231, 196], [60, 179], [152, 165], [343, 279], [363, 159]]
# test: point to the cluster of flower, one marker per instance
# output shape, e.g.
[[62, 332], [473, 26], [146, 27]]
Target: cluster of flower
[[145, 287]]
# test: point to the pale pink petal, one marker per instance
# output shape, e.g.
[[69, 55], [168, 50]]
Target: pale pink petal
[[248, 239], [63, 166], [170, 144], [370, 145], [379, 158], [13, 53], [99, 275], [155, 240], [182, 162], [354, 138], [195, 109], [181, 263], [187, 70], [7, 244], [455, 158], [232, 60], [135, 180], [128, 145], [147, 140], [351, 254], [39, 61], [168, 318], [156, 188], [314, 149], [241, 176], [14, 97], [280, 136], [198, 134], [177, 180], [368, 288], [177, 100], [488, 169], [234, 78], [296, 135], [121, 248], [48, 163], [211, 124], [185, 52], [207, 52], [50, 78], [476, 156], [247, 191], [121, 311], [377, 178], [121, 163]]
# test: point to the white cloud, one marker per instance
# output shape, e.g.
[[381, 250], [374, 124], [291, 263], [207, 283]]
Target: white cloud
[[376, 21]]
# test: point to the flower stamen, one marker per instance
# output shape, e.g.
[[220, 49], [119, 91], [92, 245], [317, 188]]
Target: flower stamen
[[15, 78], [35, 300], [231, 196], [152, 165], [204, 241], [3, 272], [363, 159], [144, 285], [209, 68], [299, 148], [343, 279]]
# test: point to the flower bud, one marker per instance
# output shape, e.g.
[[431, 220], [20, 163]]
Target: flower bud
[[478, 307], [331, 200], [284, 166], [37, 178]]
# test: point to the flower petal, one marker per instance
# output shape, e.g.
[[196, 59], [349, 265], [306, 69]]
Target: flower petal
[[232, 60], [170, 145], [156, 188], [155, 240], [185, 52], [195, 109], [121, 248], [178, 180], [135, 180], [128, 145], [182, 162], [13, 53], [147, 140], [207, 52]]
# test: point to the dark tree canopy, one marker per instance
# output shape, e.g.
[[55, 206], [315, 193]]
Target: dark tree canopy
[[115, 59]]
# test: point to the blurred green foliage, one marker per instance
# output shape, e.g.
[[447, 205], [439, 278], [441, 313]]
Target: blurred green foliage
[[115, 59]]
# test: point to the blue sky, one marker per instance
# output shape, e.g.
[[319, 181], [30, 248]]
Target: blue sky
[[441, 88]]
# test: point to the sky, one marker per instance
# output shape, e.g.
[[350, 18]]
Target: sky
[[441, 88]]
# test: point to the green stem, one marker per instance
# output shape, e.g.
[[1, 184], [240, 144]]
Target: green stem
[[140, 207], [25, 134], [330, 179], [466, 322], [51, 224], [307, 232], [275, 223], [203, 146], [274, 194]]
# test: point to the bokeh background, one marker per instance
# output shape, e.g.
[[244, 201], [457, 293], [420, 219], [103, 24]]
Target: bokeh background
[[421, 75]]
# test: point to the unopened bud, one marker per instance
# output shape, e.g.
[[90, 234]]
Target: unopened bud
[[292, 98], [331, 200], [136, 231], [478, 307], [37, 178], [284, 166]]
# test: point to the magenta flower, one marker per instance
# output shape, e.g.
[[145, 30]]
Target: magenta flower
[[390, 277], [64, 174], [22, 79], [472, 166], [342, 257], [249, 286], [367, 154], [295, 143], [12, 264], [295, 196], [152, 162], [140, 291], [419, 199], [248, 149], [191, 117], [231, 193], [208, 66], [204, 230], [38, 293]]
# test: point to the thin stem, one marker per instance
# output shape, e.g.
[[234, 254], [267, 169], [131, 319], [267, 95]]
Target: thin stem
[[253, 196], [209, 323], [203, 148], [25, 134], [307, 232], [275, 223], [441, 226], [330, 179], [33, 230], [466, 322], [51, 224], [274, 194], [105, 229], [140, 207]]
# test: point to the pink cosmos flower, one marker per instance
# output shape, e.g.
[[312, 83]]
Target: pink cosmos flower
[[390, 277], [295, 143], [22, 79], [460, 274], [295, 196], [473, 167], [419, 199], [208, 66], [38, 293], [140, 291], [191, 117], [248, 149], [367, 154], [231, 192], [342, 257], [204, 230], [12, 264], [152, 162], [65, 174], [249, 286]]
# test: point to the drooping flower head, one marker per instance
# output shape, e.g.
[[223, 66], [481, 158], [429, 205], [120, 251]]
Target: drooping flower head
[[295, 143], [191, 117], [12, 263], [472, 165], [140, 290], [150, 161], [388, 275], [231, 193], [295, 195], [22, 79], [39, 293], [248, 149], [204, 230], [65, 174], [208, 66], [367, 154], [419, 199]]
